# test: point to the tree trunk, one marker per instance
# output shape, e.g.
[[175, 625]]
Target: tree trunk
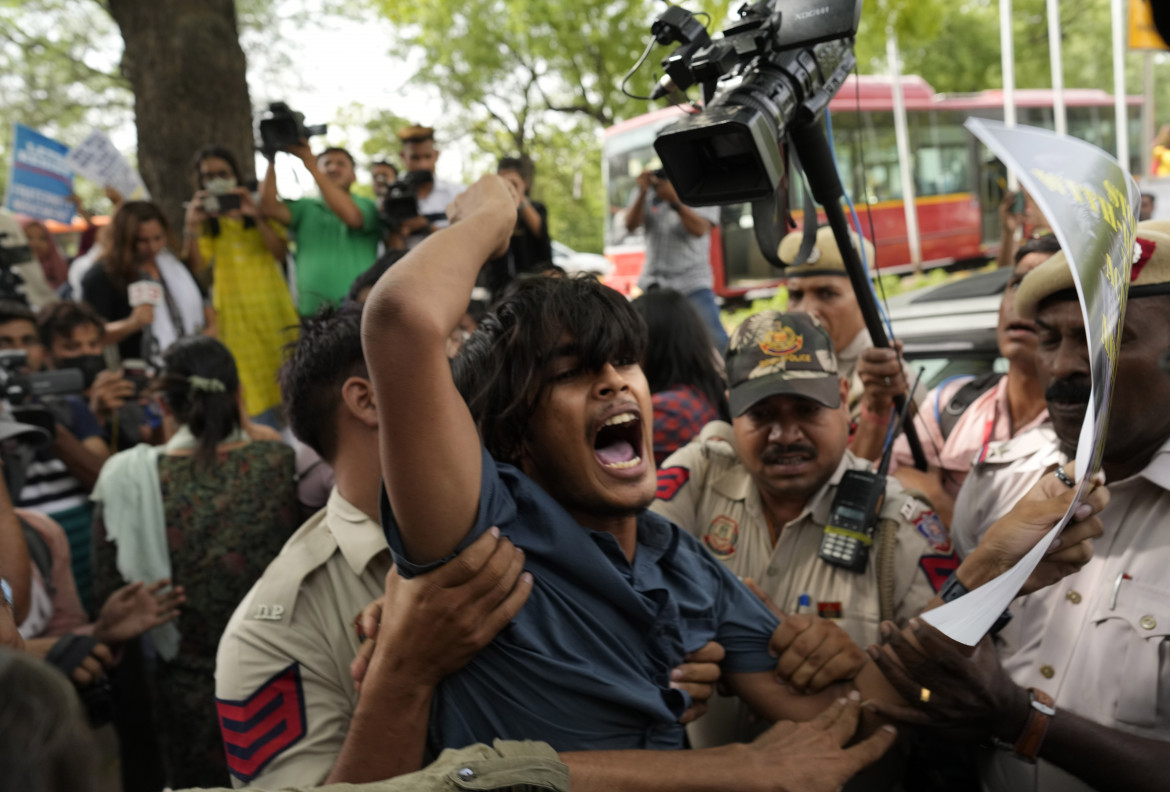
[[183, 60]]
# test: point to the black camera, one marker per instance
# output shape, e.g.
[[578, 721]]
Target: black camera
[[281, 127], [770, 68], [25, 393], [400, 201]]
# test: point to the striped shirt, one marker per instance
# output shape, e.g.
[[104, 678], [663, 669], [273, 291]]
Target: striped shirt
[[50, 489]]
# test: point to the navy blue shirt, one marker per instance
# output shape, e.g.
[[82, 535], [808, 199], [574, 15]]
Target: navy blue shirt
[[586, 663]]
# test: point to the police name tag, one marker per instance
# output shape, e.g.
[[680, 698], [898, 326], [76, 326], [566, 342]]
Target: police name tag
[[269, 612]]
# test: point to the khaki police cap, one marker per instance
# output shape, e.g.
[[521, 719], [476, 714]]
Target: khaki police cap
[[416, 134], [825, 258], [773, 353], [1150, 273]]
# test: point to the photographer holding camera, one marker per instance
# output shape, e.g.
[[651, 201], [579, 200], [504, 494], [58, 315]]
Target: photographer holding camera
[[337, 233], [678, 246], [226, 231], [383, 175], [431, 195]]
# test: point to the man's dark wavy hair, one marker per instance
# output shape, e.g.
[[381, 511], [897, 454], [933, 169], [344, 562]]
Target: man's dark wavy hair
[[502, 370]]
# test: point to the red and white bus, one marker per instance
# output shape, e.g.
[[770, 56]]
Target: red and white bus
[[958, 184]]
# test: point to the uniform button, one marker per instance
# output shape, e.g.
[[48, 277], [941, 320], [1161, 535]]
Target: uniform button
[[1148, 622], [1074, 597], [466, 774], [1047, 671], [772, 571]]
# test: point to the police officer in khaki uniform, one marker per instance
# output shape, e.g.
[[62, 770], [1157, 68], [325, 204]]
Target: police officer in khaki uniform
[[1089, 658], [820, 286], [286, 701], [758, 495]]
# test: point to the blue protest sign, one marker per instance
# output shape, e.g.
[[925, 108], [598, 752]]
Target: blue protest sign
[[40, 182]]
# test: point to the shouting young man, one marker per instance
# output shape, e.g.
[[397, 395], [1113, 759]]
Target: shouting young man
[[564, 469]]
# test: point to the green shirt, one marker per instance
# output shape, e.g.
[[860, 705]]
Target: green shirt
[[330, 254]]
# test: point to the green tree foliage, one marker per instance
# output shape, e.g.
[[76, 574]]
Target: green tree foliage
[[539, 78], [57, 72]]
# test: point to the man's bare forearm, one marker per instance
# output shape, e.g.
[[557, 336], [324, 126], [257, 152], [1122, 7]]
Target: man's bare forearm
[[81, 461], [338, 200], [637, 212], [427, 291], [705, 770], [1105, 758], [387, 736], [693, 222], [270, 204], [430, 450]]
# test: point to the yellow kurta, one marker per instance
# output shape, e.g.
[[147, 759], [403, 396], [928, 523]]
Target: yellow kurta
[[254, 309]]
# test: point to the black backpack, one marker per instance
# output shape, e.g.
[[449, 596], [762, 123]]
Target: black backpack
[[963, 398]]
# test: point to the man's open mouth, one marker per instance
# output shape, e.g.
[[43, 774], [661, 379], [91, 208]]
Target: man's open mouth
[[618, 442]]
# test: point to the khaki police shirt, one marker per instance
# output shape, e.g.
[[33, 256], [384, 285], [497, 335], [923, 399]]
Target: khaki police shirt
[[1097, 641], [705, 490], [505, 765], [282, 676], [996, 484]]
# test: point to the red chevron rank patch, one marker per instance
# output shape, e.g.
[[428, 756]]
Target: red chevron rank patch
[[258, 728], [938, 568], [670, 480]]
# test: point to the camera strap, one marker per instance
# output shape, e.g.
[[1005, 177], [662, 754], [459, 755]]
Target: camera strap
[[809, 240]]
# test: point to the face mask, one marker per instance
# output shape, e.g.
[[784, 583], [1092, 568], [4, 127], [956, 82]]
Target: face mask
[[89, 366]]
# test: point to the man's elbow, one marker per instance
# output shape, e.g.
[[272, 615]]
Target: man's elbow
[[354, 219], [393, 310]]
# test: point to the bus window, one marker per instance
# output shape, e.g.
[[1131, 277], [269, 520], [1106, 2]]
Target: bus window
[[882, 181], [942, 163], [623, 166]]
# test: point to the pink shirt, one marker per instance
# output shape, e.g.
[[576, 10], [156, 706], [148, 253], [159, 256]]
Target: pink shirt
[[987, 420]]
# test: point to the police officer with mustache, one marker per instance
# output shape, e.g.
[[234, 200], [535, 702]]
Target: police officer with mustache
[[758, 493]]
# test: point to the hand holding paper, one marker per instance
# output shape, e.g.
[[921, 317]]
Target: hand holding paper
[[1028, 525]]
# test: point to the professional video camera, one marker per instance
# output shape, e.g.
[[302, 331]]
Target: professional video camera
[[25, 393], [400, 202], [769, 69], [281, 127]]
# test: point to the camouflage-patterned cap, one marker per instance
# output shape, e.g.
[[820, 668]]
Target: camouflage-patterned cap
[[775, 353]]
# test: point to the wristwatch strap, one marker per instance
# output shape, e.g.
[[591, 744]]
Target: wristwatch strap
[[953, 588], [1040, 715]]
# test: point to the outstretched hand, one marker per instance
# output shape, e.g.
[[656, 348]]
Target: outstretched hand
[[133, 609], [810, 757], [971, 696]]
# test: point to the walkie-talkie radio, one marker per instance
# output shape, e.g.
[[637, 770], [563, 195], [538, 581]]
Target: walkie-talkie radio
[[849, 535], [853, 516]]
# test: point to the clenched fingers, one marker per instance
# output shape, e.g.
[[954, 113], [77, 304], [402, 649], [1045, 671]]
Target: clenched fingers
[[841, 666], [468, 563]]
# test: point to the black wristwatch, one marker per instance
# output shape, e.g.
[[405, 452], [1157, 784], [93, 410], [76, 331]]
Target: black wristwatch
[[953, 588]]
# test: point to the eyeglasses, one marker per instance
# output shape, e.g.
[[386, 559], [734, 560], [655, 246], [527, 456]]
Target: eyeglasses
[[216, 174]]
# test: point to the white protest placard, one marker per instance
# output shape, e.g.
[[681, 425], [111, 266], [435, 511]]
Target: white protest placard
[[1091, 204], [98, 160]]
